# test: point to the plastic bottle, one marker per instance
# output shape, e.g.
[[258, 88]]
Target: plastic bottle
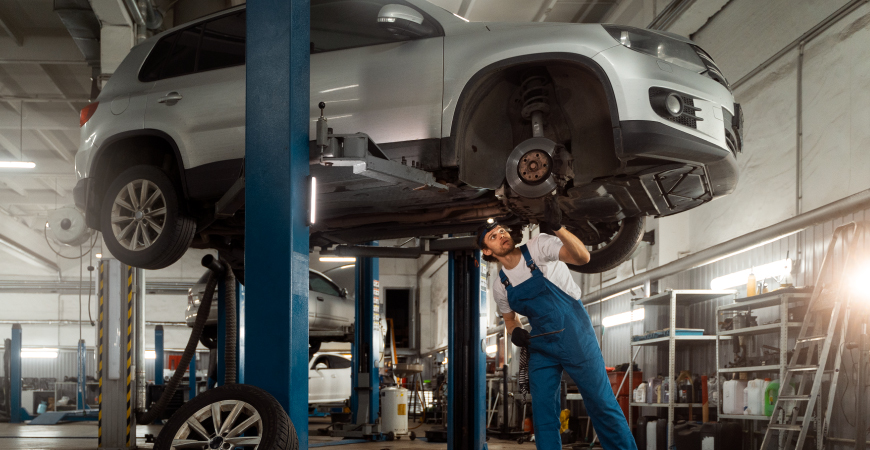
[[685, 388], [771, 393], [753, 398], [640, 393], [654, 390], [750, 285], [732, 396]]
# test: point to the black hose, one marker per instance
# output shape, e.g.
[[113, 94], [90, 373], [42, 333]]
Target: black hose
[[189, 351], [230, 362]]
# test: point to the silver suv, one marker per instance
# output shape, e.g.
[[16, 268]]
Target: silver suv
[[619, 123]]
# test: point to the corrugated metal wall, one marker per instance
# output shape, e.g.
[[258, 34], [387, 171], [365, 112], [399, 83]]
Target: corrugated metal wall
[[807, 248]]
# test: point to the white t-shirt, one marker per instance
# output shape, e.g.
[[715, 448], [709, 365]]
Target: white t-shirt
[[544, 249]]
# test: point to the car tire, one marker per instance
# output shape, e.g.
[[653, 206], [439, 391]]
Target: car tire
[[141, 235], [273, 427], [617, 250], [313, 347]]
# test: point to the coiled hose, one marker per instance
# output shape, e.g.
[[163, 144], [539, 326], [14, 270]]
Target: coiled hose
[[201, 317]]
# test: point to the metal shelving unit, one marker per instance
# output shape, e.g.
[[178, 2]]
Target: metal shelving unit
[[671, 299], [784, 299]]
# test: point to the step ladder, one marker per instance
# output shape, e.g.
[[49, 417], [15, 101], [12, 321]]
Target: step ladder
[[826, 320]]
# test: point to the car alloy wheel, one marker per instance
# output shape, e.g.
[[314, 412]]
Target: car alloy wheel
[[138, 215], [220, 426], [229, 417]]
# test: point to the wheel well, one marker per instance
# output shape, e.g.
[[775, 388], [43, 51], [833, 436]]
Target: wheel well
[[122, 154], [487, 124]]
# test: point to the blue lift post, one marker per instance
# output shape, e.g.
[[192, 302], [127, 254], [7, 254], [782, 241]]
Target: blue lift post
[[276, 203], [365, 397], [82, 394], [466, 368], [158, 353], [240, 336], [191, 379], [15, 376]]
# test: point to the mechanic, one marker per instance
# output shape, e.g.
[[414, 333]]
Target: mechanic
[[536, 282]]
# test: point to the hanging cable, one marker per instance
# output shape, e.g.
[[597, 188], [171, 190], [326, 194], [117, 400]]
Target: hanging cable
[[45, 235]]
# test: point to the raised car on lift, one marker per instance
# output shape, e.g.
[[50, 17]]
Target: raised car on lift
[[619, 123]]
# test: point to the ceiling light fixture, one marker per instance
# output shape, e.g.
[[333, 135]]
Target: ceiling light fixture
[[623, 318], [337, 259], [17, 165], [776, 269]]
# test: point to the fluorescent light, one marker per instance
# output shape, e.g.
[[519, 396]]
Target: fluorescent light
[[339, 88], [623, 318], [775, 269], [17, 165], [313, 189], [150, 354], [614, 295], [490, 349], [337, 259], [46, 353], [99, 255]]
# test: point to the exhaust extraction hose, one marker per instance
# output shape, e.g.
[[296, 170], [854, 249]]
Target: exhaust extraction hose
[[189, 351]]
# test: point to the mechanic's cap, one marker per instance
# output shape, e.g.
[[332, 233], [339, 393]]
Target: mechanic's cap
[[483, 229]]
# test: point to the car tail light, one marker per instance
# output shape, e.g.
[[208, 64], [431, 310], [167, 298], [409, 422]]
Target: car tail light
[[87, 112]]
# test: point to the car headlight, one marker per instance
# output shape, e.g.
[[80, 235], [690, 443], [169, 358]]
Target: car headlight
[[662, 47]]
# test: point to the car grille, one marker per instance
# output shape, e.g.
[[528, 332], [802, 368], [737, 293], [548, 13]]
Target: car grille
[[688, 117], [712, 69]]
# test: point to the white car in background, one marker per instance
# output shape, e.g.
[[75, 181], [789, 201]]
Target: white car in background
[[329, 378], [330, 311]]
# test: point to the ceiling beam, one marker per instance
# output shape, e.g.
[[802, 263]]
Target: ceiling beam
[[14, 34], [25, 244], [33, 197], [13, 186], [44, 49], [546, 7], [10, 147], [51, 183], [49, 139], [465, 8]]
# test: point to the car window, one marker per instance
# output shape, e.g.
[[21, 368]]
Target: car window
[[341, 24], [152, 65], [223, 43], [320, 284], [182, 58], [337, 362], [321, 360]]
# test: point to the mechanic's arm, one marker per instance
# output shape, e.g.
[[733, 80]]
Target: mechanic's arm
[[511, 321], [573, 251]]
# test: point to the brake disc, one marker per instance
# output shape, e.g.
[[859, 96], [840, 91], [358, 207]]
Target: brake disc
[[529, 168]]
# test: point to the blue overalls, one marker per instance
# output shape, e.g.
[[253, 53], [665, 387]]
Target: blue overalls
[[574, 350]]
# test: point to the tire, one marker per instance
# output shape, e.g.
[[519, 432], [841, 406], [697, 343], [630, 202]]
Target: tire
[[412, 436], [313, 347], [149, 240], [391, 436], [275, 432], [617, 250]]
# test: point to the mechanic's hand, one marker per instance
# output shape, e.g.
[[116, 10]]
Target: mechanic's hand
[[552, 214], [520, 337]]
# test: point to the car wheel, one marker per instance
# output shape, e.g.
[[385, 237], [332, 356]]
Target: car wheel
[[236, 415], [313, 347], [141, 219], [616, 243]]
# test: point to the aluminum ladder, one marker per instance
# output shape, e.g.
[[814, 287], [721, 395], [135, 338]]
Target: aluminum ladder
[[826, 318]]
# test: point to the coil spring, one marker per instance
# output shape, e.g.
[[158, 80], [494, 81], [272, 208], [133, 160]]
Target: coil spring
[[535, 95]]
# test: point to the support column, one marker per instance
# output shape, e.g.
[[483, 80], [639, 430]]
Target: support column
[[276, 210], [81, 385], [116, 426], [139, 338], [466, 368], [240, 336], [365, 396], [191, 379], [15, 375], [158, 353]]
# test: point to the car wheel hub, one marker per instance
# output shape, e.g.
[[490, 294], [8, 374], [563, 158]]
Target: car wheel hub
[[221, 425], [138, 215], [529, 168]]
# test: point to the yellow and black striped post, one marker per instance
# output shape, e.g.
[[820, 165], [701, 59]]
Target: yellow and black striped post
[[116, 421], [102, 295]]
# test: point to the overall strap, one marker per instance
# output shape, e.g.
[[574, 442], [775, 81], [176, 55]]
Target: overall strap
[[529, 261], [504, 278]]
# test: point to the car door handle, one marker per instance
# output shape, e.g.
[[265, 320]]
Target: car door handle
[[320, 299], [170, 98]]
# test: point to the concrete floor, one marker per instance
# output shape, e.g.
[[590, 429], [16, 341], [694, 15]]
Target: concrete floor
[[83, 436]]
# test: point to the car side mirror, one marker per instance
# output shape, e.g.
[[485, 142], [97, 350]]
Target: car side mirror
[[404, 21], [343, 293], [320, 366]]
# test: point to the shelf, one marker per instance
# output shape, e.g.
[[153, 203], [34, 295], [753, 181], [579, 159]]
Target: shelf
[[770, 368], [760, 329], [743, 417], [684, 297], [665, 405], [664, 340], [768, 299]]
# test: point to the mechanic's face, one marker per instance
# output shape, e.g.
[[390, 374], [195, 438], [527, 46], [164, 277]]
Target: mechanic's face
[[499, 242]]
